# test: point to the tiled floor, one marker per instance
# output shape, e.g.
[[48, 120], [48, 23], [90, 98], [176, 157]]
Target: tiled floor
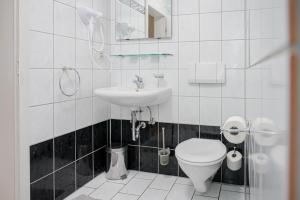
[[149, 186]]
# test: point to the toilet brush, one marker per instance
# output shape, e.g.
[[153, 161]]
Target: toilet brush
[[164, 153]]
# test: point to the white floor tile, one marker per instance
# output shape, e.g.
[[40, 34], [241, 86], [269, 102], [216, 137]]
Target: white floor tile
[[131, 174], [146, 175], [96, 182], [233, 188], [163, 182], [136, 186], [227, 195], [203, 198], [121, 196], [80, 191], [213, 190], [107, 191], [181, 192], [184, 181], [151, 194]]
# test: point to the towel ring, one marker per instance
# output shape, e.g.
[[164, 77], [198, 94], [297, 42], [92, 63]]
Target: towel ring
[[65, 69]]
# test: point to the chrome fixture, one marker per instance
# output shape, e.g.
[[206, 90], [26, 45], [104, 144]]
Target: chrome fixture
[[139, 82], [136, 131], [151, 120], [65, 71]]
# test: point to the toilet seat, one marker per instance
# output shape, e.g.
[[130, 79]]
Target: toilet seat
[[201, 152]]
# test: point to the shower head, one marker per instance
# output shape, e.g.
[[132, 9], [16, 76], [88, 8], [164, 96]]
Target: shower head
[[87, 15]]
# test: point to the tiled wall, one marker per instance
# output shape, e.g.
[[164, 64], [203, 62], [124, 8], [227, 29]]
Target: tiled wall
[[268, 96], [202, 31], [61, 165], [143, 153], [63, 132]]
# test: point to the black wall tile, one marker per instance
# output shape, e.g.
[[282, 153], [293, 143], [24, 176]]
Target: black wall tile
[[84, 141], [149, 159], [210, 132], [172, 167], [133, 157], [171, 135], [181, 173], [64, 182], [99, 161], [116, 131], [149, 135], [127, 134], [42, 189], [41, 160], [64, 150], [187, 131], [100, 134], [84, 170]]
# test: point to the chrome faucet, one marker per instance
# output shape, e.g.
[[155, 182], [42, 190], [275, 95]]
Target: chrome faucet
[[139, 82]]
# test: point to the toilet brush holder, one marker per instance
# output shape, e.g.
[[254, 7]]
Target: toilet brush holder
[[164, 156], [164, 153]]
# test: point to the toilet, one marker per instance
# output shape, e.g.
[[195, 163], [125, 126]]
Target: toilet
[[200, 160]]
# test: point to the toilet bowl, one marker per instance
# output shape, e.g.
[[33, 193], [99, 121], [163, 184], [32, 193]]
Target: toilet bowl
[[200, 160]]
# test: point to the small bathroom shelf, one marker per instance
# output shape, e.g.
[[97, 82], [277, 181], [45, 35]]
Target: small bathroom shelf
[[140, 55]]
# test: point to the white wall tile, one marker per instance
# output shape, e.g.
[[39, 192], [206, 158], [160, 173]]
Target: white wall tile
[[64, 117], [64, 52], [101, 110], [68, 2], [232, 107], [210, 90], [234, 85], [64, 20], [168, 111], [210, 6], [168, 61], [40, 126], [188, 54], [86, 84], [67, 84], [233, 53], [210, 111], [41, 15], [188, 6], [83, 58], [101, 79], [85, 3], [170, 80], [254, 83], [40, 50], [40, 86], [210, 51], [148, 77], [233, 25], [230, 5], [186, 24], [253, 109], [189, 110], [84, 113], [185, 88], [210, 26]]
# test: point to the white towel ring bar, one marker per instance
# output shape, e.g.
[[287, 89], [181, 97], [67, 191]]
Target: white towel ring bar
[[65, 69]]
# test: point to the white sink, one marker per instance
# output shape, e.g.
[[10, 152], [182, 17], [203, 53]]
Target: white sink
[[132, 98]]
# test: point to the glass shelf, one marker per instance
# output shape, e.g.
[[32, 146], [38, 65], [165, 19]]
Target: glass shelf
[[146, 54]]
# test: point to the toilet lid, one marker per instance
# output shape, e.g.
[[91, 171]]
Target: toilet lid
[[200, 150]]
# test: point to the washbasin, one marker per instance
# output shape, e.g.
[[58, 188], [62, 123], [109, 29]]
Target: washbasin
[[134, 98]]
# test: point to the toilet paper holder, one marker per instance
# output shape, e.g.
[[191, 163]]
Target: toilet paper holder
[[248, 130]]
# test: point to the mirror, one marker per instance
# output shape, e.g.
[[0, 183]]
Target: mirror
[[138, 19]]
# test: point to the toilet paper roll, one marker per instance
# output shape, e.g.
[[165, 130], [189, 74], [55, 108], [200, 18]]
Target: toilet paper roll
[[260, 162], [267, 125], [234, 160], [235, 122]]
